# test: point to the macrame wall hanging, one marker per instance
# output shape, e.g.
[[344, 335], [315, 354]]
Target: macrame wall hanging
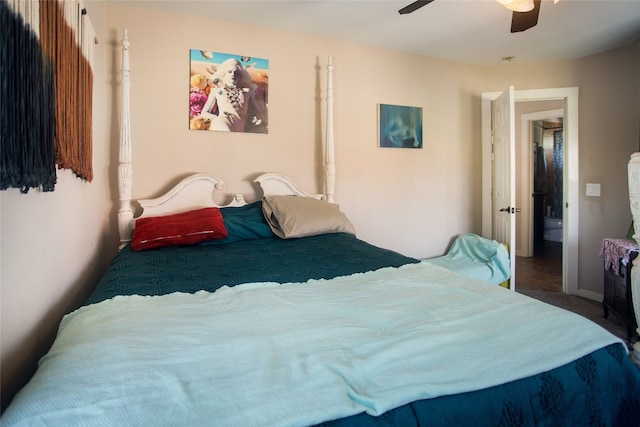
[[46, 92]]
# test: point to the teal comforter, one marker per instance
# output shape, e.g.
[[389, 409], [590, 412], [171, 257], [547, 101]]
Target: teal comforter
[[207, 267]]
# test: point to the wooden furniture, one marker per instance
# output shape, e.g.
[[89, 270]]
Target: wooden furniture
[[617, 281]]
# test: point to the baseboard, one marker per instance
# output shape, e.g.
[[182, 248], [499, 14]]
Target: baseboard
[[594, 296]]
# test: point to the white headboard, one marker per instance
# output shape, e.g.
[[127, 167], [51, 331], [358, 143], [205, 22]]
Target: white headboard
[[275, 184], [198, 190], [193, 192]]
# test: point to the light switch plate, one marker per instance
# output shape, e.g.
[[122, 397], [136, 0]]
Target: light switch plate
[[593, 190]]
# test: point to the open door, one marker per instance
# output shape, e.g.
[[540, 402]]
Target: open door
[[504, 179], [571, 179]]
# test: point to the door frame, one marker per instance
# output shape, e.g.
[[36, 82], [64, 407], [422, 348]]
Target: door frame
[[571, 185]]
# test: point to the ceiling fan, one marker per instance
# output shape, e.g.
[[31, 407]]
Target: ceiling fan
[[520, 21]]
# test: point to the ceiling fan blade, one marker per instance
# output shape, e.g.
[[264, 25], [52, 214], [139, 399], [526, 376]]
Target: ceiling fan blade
[[413, 7], [522, 21]]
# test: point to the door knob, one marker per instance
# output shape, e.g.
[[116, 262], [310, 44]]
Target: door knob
[[509, 209]]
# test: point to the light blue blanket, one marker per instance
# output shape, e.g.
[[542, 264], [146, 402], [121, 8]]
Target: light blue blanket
[[478, 257], [295, 354]]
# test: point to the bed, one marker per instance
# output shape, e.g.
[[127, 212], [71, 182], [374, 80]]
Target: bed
[[274, 313]]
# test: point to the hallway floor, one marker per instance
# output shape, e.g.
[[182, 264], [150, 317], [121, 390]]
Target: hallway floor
[[543, 271]]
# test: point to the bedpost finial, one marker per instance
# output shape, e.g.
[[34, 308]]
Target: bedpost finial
[[125, 40]]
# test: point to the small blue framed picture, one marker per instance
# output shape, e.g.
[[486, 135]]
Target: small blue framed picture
[[400, 126]]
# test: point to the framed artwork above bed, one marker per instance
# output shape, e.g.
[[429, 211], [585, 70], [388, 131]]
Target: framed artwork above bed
[[399, 126], [228, 92]]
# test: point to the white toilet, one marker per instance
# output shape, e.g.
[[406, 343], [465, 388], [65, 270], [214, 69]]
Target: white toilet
[[552, 229]]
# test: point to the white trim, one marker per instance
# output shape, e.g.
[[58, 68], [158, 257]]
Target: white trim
[[593, 296]]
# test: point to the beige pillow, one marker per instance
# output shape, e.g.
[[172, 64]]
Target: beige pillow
[[294, 216]]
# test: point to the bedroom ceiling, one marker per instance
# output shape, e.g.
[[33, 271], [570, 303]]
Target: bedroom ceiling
[[468, 31]]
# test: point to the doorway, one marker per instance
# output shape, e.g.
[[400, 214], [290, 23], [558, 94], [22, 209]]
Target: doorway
[[570, 207], [540, 193], [531, 196]]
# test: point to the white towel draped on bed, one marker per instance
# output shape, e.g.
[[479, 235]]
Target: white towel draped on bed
[[296, 354]]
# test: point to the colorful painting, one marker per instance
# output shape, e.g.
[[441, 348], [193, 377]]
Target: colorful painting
[[400, 127], [228, 93]]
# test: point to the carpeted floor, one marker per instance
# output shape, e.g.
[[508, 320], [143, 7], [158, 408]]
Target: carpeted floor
[[592, 310], [540, 277]]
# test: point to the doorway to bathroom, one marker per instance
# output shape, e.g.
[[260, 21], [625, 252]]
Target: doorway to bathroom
[[539, 263], [567, 98]]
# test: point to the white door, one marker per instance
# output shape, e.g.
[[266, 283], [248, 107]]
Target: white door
[[504, 178]]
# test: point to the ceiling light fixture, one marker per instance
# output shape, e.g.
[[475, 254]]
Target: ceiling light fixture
[[517, 5]]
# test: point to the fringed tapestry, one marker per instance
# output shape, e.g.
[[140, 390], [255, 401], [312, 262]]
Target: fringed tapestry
[[27, 116], [46, 85]]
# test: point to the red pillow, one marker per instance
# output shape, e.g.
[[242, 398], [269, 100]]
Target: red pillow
[[179, 229]]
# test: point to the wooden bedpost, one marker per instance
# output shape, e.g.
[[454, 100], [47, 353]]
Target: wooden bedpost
[[125, 169], [329, 167]]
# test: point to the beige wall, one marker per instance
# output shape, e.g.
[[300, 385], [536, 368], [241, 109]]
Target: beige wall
[[395, 197], [609, 133], [54, 246]]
